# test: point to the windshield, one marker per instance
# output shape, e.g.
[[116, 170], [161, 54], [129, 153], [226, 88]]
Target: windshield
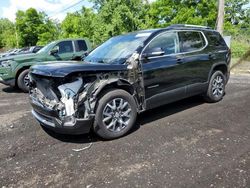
[[117, 49], [46, 48]]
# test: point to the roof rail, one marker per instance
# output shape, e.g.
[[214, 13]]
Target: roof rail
[[188, 25]]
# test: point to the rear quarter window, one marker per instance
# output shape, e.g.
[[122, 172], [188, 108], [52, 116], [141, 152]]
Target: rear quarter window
[[191, 41], [215, 39], [81, 46]]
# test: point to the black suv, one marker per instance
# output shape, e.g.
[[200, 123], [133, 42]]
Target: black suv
[[127, 75]]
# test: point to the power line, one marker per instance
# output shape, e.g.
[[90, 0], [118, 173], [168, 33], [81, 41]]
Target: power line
[[63, 10]]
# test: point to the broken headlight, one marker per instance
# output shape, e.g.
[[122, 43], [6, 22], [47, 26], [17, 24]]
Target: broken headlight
[[68, 92]]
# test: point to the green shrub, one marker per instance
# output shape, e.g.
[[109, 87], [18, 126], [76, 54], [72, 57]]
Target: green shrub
[[246, 56], [239, 47]]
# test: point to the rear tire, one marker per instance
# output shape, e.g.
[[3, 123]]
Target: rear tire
[[115, 114], [216, 88], [22, 81]]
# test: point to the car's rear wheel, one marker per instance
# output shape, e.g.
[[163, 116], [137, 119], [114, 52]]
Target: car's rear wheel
[[216, 88], [115, 114], [23, 81]]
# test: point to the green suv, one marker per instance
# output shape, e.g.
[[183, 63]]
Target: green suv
[[14, 69]]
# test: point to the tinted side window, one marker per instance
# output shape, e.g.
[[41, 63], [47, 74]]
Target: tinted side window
[[81, 46], [215, 39], [168, 42], [191, 41], [65, 47]]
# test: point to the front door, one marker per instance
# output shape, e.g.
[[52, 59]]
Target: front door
[[162, 73], [65, 52]]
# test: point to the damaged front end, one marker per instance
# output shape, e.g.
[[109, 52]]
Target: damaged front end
[[66, 103], [56, 104]]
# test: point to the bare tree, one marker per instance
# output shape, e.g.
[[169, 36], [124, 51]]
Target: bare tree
[[220, 18]]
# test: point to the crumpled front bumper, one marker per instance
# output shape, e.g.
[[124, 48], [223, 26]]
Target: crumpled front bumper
[[50, 119]]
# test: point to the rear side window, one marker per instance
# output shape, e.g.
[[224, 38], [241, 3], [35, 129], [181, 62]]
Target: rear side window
[[81, 46], [215, 39], [191, 41]]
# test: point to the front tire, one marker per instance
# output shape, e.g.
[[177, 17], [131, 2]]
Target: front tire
[[23, 81], [115, 114], [216, 88]]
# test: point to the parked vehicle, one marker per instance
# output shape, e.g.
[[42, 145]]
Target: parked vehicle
[[14, 69], [4, 53], [15, 52], [10, 52], [127, 75], [29, 50]]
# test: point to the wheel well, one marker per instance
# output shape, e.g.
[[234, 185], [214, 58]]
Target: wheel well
[[222, 68], [112, 86], [115, 85], [19, 72]]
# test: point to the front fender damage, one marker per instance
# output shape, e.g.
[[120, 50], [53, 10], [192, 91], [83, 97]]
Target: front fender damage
[[132, 79], [77, 99]]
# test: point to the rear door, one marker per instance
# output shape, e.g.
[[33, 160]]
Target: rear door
[[80, 47], [65, 52], [195, 58]]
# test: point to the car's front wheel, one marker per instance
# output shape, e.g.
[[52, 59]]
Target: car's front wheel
[[216, 88], [115, 114], [23, 81]]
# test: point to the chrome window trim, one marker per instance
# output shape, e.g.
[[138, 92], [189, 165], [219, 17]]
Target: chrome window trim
[[180, 53]]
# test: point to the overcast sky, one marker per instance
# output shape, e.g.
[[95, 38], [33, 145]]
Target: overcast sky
[[53, 8]]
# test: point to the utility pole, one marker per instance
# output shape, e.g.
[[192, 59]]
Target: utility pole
[[220, 18]]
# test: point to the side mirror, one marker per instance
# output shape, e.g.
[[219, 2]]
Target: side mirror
[[85, 54], [154, 52], [54, 51]]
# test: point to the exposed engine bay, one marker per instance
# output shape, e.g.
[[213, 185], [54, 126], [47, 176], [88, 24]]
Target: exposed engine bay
[[75, 96]]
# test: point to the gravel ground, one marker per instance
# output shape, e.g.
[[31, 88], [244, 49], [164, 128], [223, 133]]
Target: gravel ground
[[185, 144]]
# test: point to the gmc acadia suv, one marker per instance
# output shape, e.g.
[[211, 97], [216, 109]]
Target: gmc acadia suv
[[127, 75]]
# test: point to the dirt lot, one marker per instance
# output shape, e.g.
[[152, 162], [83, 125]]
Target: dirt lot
[[185, 144]]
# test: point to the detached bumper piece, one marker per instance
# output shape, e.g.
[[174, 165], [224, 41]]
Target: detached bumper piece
[[50, 120]]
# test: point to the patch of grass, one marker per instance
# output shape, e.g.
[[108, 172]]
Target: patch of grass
[[247, 55], [239, 48], [236, 61]]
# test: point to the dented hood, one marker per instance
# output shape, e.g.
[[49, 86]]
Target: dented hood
[[62, 69]]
